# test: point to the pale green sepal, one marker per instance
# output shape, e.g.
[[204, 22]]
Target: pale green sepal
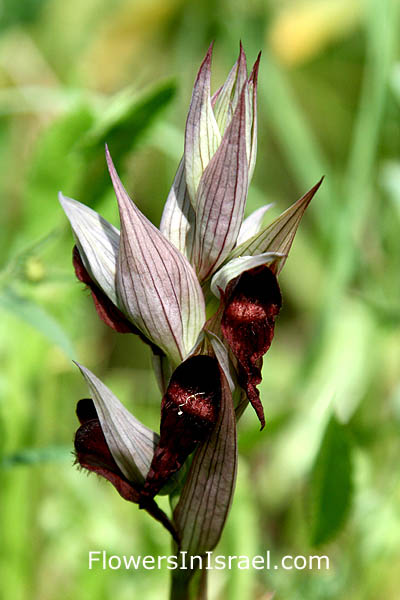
[[131, 443], [157, 287], [162, 370], [222, 356], [278, 236], [237, 266], [97, 242], [251, 132], [229, 94], [221, 196], [206, 497], [252, 225], [178, 218], [202, 136]]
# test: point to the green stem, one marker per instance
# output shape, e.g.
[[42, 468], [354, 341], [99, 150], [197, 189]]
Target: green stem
[[179, 587], [202, 590], [188, 585]]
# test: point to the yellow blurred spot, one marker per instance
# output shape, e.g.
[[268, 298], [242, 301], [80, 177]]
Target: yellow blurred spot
[[34, 269], [301, 30], [57, 362], [125, 37]]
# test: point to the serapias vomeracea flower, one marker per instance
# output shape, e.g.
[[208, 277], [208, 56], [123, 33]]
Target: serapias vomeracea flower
[[160, 284]]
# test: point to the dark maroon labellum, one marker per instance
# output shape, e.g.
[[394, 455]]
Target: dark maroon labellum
[[252, 301], [107, 311], [93, 454], [189, 411]]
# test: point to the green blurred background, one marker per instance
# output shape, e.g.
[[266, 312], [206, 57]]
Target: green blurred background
[[323, 477]]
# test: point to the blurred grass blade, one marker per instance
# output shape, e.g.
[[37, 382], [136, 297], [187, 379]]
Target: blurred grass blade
[[331, 484], [298, 142], [33, 314], [353, 212], [381, 17], [206, 497]]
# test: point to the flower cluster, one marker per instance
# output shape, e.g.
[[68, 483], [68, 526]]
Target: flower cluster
[[202, 292]]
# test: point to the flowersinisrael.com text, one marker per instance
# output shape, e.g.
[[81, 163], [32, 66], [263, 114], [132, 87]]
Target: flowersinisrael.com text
[[100, 559]]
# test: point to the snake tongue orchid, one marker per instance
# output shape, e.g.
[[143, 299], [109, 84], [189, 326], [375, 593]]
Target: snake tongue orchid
[[205, 259]]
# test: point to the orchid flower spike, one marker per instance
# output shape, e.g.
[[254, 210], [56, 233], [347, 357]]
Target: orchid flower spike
[[160, 283]]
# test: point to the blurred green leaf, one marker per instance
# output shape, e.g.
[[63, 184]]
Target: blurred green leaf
[[55, 166], [33, 314], [41, 99], [17, 265], [32, 456], [331, 484], [20, 12], [128, 117], [386, 313]]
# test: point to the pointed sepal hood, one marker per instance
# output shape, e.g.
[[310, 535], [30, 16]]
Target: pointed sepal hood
[[156, 286]]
